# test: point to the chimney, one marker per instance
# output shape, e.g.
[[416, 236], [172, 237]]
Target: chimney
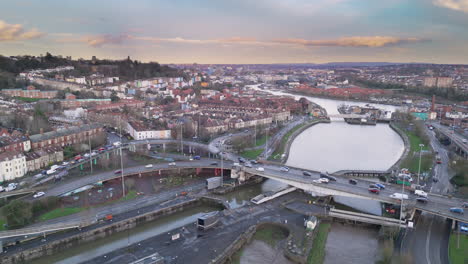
[[41, 130]]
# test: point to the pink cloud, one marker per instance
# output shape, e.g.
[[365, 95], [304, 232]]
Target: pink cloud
[[373, 41], [14, 32]]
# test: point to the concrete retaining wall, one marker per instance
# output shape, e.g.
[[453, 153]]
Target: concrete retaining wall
[[406, 141], [55, 246], [226, 256]]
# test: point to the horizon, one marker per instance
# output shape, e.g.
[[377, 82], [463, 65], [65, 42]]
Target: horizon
[[241, 32]]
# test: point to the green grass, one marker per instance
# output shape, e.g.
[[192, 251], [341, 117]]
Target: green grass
[[270, 235], [28, 100], [2, 222], [132, 194], [59, 212], [317, 253], [412, 160], [281, 149], [458, 255], [261, 141], [252, 154]]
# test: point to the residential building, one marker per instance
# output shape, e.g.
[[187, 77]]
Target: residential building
[[430, 81], [139, 131], [12, 165], [66, 136], [444, 82], [30, 92], [11, 143]]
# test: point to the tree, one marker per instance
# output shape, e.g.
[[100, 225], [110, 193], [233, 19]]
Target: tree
[[114, 97], [18, 213]]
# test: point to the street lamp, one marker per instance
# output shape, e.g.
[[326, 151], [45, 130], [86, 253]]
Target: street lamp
[[419, 168]]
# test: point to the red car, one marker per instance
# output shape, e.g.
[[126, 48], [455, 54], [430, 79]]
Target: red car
[[78, 157], [374, 190], [101, 149]]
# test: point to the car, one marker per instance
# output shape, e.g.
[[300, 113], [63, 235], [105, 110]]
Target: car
[[197, 157], [117, 171], [65, 163], [172, 164], [353, 181], [149, 166], [190, 159], [38, 194], [439, 162], [325, 175], [321, 180], [374, 186], [381, 186], [248, 165], [465, 205], [435, 179], [86, 155], [374, 190], [214, 163], [101, 149], [306, 173], [422, 200], [260, 169], [253, 161], [285, 169], [457, 210]]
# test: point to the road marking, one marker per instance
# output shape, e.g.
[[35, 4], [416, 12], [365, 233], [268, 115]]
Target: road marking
[[428, 259]]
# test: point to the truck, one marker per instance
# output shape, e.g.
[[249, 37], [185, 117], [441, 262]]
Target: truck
[[420, 193], [399, 196]]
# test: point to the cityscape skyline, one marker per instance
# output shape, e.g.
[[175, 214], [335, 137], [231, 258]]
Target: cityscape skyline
[[222, 32]]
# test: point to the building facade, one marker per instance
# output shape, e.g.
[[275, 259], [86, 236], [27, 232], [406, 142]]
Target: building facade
[[12, 166], [67, 136]]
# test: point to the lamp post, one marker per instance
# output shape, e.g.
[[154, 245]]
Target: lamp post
[[419, 168], [121, 159]]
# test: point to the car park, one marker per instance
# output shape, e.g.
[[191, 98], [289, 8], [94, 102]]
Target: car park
[[38, 194], [306, 173], [374, 190], [353, 181]]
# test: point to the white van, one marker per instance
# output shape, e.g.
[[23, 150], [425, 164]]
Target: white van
[[420, 193]]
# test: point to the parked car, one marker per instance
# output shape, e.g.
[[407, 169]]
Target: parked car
[[374, 190], [149, 166], [172, 164], [353, 181], [260, 169], [38, 194], [306, 173], [285, 169], [422, 200], [457, 210]]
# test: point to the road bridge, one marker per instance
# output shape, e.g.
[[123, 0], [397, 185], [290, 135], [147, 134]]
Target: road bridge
[[366, 218], [19, 192], [41, 229], [459, 141]]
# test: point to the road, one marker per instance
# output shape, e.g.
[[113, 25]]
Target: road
[[428, 241], [279, 136], [456, 138]]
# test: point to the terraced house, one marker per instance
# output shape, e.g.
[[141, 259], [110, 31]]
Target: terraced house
[[66, 136]]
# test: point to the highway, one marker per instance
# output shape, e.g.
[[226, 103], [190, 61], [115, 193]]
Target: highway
[[455, 137], [428, 241]]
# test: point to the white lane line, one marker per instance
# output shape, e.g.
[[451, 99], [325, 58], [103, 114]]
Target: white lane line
[[428, 238]]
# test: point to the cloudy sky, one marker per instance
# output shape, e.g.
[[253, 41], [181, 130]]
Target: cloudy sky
[[239, 31]]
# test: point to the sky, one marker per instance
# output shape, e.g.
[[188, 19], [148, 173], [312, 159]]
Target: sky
[[239, 31]]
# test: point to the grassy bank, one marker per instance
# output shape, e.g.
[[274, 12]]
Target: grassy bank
[[458, 255], [59, 212], [317, 253], [282, 147], [252, 154], [411, 162]]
